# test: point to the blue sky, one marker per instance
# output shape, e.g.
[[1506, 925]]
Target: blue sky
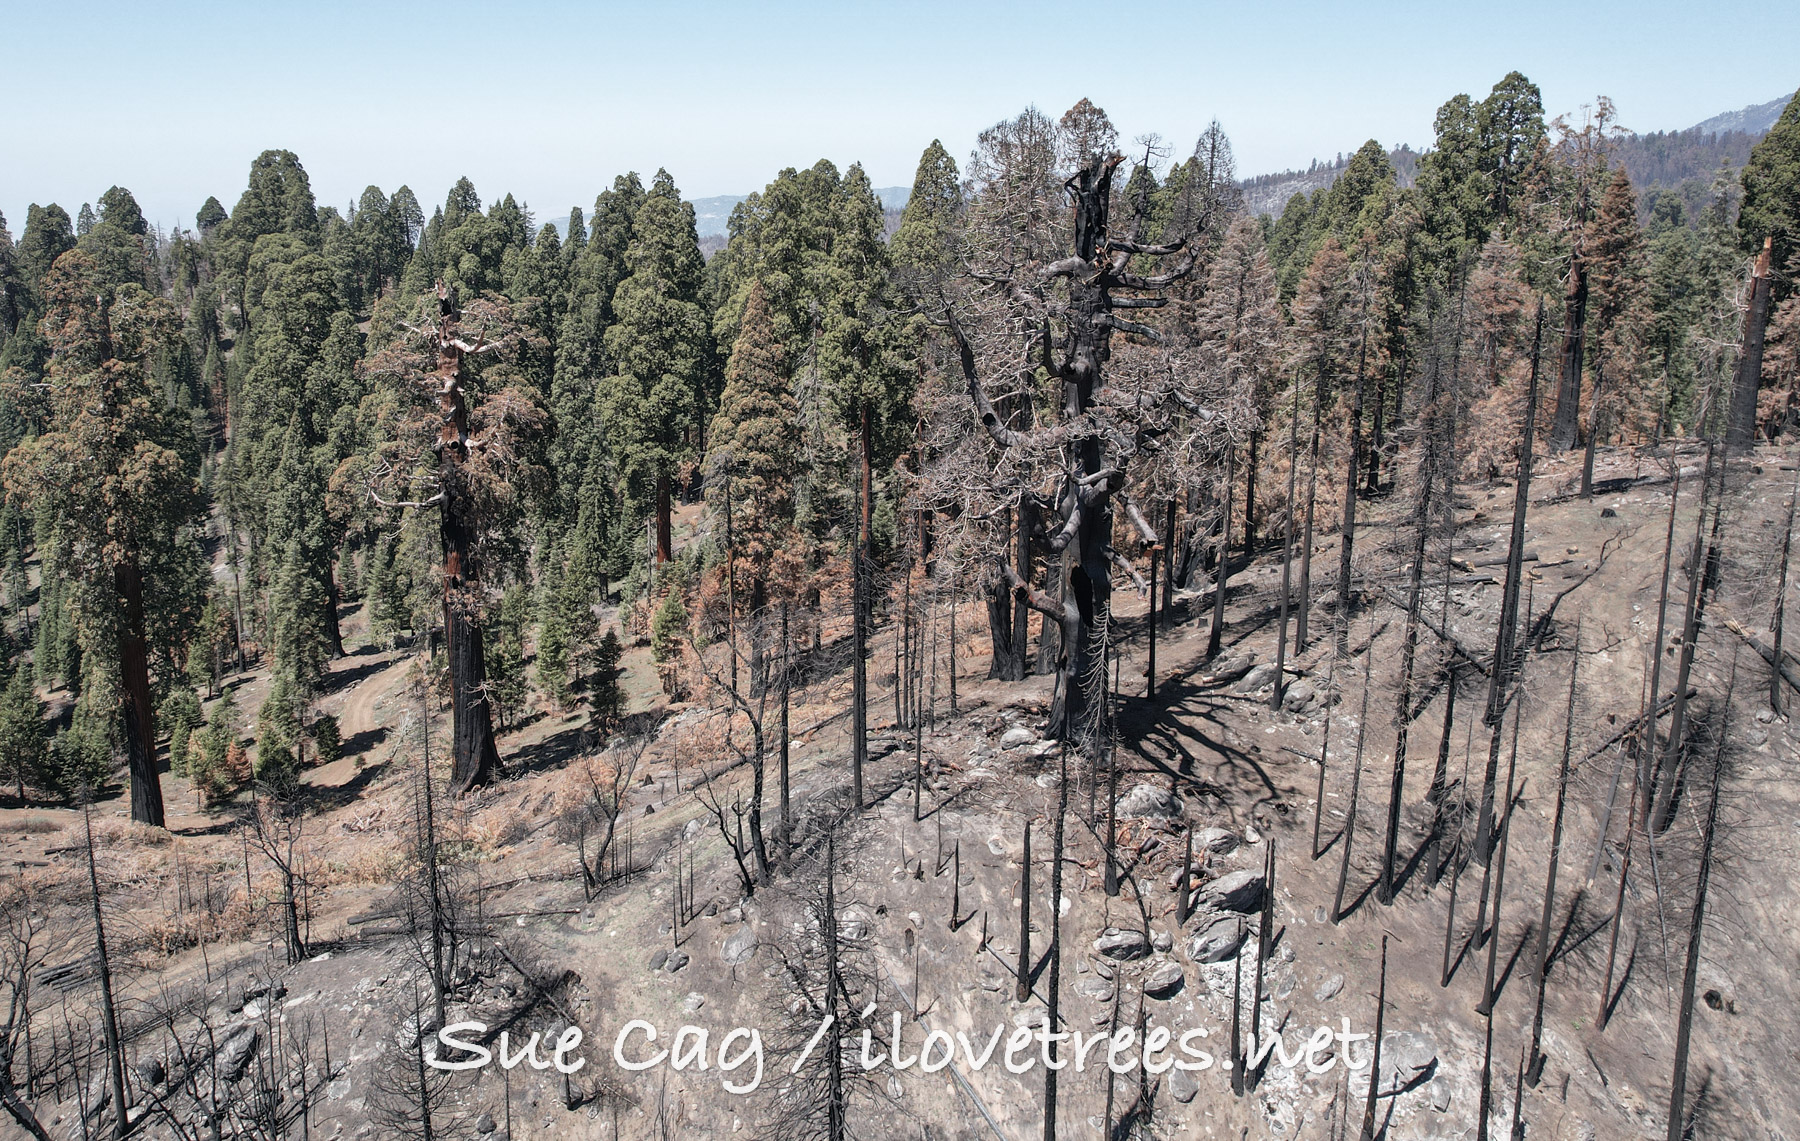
[[551, 100]]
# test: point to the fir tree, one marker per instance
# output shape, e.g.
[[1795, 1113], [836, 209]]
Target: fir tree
[[1771, 205], [751, 449], [23, 737], [653, 403]]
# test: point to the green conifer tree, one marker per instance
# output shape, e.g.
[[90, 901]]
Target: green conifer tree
[[653, 404]]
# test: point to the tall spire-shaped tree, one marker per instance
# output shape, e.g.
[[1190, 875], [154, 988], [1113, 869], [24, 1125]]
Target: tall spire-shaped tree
[[115, 475], [651, 406], [750, 445]]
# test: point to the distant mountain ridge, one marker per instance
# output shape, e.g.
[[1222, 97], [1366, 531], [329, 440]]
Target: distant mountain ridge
[[1655, 158], [1753, 120], [1658, 158]]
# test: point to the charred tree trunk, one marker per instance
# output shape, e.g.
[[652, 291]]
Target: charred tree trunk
[[1362, 723], [1506, 635], [1696, 927], [1506, 823], [787, 815], [1306, 541], [1250, 493], [474, 759], [1409, 649], [1542, 966], [1593, 435], [1023, 974], [1378, 435], [139, 711], [1440, 778], [1349, 529], [835, 1125], [1287, 554], [1052, 999], [1612, 941], [1775, 626], [1740, 421], [1008, 660], [109, 1022], [1168, 589], [1567, 425], [1644, 785], [859, 674], [1222, 575], [1663, 804], [1368, 1123], [1150, 622]]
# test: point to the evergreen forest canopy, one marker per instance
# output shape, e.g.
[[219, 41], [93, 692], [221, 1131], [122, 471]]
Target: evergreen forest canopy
[[1071, 356]]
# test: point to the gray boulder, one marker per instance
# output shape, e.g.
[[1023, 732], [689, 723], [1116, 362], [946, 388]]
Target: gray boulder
[[1016, 736], [1097, 989], [1406, 1059], [1122, 945], [1231, 667], [1163, 981], [1301, 695], [1182, 1085], [1217, 943], [1329, 989], [1215, 840], [1235, 891], [1258, 677], [739, 946], [234, 1055], [1146, 800]]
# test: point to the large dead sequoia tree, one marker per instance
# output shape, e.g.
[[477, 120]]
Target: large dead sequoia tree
[[475, 470], [1065, 312], [473, 755]]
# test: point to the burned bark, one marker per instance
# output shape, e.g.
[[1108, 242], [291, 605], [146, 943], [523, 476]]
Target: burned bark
[[1080, 515], [1506, 635], [1740, 421], [474, 758], [1567, 425]]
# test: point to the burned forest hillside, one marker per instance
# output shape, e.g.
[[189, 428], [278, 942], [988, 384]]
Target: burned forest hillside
[[1073, 659]]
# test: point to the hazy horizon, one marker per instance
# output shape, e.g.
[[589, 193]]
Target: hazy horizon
[[558, 99]]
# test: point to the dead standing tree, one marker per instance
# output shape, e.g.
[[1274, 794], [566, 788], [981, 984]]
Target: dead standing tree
[[1057, 320], [476, 476]]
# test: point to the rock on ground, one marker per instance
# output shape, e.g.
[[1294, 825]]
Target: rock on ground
[[1235, 891], [1163, 981], [1122, 945], [1217, 943], [1146, 800]]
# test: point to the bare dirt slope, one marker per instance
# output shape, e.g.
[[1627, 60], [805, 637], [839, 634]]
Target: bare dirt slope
[[1207, 752]]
